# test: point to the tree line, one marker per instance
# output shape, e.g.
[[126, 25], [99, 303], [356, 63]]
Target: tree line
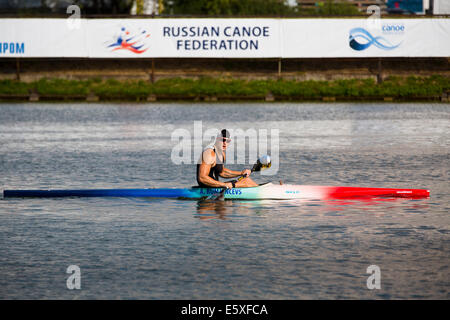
[[182, 7]]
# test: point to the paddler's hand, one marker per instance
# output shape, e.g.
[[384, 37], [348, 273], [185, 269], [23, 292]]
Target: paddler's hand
[[228, 185], [246, 172]]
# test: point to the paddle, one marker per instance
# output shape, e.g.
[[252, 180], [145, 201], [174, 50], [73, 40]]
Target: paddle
[[261, 164]]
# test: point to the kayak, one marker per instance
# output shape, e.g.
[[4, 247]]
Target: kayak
[[263, 191]]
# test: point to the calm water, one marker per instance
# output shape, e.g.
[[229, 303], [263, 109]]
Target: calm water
[[174, 249]]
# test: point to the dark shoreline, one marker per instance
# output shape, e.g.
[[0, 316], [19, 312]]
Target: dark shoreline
[[214, 99]]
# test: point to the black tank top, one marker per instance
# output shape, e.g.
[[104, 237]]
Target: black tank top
[[214, 172]]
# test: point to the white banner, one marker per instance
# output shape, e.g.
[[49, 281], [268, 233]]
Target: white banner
[[203, 38], [330, 38], [225, 38], [42, 38]]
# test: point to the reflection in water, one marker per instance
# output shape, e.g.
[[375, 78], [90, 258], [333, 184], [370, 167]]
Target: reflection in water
[[376, 204], [226, 209], [212, 209]]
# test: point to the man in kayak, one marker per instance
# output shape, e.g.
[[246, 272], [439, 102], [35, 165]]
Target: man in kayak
[[211, 167]]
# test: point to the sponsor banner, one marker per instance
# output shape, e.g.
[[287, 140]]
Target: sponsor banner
[[366, 38], [225, 38], [42, 38], [204, 38]]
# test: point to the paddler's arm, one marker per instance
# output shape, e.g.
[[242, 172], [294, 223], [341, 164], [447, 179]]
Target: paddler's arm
[[227, 173], [208, 158], [205, 179]]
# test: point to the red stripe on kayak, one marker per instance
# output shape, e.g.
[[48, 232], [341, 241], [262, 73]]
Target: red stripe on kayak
[[355, 192]]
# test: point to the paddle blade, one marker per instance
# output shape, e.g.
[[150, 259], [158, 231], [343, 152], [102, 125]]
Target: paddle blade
[[263, 163]]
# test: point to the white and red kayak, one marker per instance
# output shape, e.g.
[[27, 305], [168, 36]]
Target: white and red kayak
[[263, 191]]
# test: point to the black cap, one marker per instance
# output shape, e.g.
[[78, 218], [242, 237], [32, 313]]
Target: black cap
[[224, 134]]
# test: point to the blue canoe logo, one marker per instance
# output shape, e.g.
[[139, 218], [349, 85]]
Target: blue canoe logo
[[358, 34]]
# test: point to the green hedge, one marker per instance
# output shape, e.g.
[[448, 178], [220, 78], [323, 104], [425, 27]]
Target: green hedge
[[396, 87]]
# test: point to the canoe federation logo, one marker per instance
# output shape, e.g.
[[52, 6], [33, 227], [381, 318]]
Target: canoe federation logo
[[360, 39], [133, 41]]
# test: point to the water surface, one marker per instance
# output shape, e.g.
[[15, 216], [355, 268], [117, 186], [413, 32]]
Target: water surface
[[172, 249]]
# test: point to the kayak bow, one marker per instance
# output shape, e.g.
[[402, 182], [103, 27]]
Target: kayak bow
[[264, 191]]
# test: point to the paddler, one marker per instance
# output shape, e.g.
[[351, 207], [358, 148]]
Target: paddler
[[211, 167]]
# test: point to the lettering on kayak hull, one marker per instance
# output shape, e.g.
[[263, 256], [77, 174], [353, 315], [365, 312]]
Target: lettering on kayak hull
[[208, 191]]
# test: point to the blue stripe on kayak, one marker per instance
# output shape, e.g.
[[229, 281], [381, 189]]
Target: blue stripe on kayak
[[159, 193], [166, 193]]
